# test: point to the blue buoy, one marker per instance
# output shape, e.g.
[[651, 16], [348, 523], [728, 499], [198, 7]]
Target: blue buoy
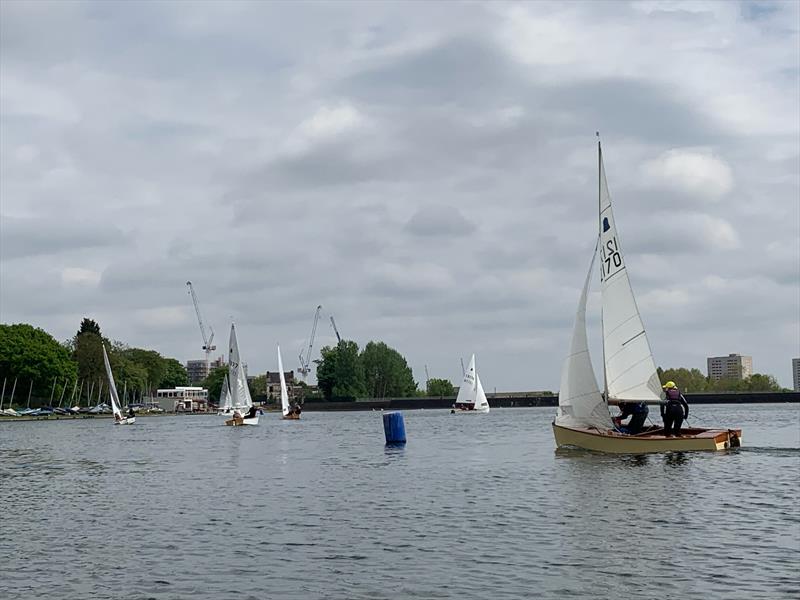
[[394, 428]]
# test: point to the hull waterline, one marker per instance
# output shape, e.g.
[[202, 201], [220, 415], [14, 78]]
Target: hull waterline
[[617, 443]]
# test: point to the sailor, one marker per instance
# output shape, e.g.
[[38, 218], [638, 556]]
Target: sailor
[[252, 412], [637, 411], [675, 410], [131, 414]]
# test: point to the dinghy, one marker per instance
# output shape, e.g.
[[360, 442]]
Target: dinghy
[[119, 418], [241, 402], [471, 397], [583, 419], [290, 412]]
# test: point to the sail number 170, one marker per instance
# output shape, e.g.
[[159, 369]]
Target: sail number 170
[[610, 258]]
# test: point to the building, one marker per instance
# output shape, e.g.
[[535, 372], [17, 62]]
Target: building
[[796, 374], [274, 384], [733, 366], [184, 398], [198, 370]]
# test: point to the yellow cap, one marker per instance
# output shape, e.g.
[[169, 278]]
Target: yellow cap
[[669, 384]]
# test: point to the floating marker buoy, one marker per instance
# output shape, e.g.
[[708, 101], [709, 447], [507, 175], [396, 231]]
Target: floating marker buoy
[[394, 428]]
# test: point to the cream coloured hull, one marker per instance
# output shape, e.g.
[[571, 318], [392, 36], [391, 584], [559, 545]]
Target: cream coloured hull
[[618, 443], [234, 422]]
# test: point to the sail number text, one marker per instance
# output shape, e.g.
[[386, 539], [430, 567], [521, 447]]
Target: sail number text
[[610, 258]]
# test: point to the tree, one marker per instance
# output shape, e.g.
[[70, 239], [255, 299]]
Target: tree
[[89, 326], [440, 387], [340, 373], [87, 352], [174, 374], [386, 372], [688, 380], [150, 360], [213, 383], [32, 355]]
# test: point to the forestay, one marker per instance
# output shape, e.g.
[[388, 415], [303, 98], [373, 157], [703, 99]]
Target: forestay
[[630, 370], [580, 403]]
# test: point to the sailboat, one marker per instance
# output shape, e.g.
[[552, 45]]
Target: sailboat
[[241, 402], [225, 400], [289, 412], [583, 419], [471, 396], [119, 418]]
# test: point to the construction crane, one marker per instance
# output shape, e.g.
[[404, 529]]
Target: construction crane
[[336, 331], [208, 345], [305, 363]]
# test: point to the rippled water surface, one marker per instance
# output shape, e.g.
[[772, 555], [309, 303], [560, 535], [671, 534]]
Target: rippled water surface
[[475, 506]]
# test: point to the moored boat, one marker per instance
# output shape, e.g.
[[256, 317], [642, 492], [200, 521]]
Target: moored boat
[[583, 419]]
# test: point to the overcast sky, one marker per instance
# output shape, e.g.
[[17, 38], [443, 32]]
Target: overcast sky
[[426, 171]]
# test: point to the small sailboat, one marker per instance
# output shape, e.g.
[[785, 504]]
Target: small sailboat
[[583, 419], [471, 397], [119, 418], [291, 412], [225, 401], [241, 401]]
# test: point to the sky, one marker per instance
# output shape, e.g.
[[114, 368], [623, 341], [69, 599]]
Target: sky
[[425, 171]]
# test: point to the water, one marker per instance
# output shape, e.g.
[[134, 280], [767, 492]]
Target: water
[[475, 506]]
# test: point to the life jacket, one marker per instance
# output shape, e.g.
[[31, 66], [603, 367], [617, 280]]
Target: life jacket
[[673, 395]]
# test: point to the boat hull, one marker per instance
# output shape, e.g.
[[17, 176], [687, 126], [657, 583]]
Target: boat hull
[[291, 417], [126, 421], [617, 443], [240, 422]]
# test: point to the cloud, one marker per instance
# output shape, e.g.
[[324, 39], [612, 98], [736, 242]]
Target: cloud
[[439, 221], [430, 181], [695, 171]]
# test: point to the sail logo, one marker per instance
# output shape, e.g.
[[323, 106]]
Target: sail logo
[[610, 258], [606, 226]]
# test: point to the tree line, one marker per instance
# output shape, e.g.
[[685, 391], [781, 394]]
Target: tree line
[[47, 369], [693, 380]]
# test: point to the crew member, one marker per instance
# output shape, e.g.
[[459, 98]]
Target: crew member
[[675, 410], [637, 411]]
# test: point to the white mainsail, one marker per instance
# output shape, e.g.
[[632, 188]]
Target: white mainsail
[[240, 392], [112, 387], [580, 403], [284, 392], [630, 371], [481, 403], [468, 390]]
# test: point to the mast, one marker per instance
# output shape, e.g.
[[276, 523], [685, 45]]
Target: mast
[[599, 230]]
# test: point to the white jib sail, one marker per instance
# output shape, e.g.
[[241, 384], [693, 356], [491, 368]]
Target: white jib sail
[[630, 370], [225, 402], [580, 403], [112, 387], [284, 392], [481, 403], [468, 390], [240, 392]]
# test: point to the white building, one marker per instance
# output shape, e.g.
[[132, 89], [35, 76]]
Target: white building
[[185, 398], [796, 374], [733, 366]]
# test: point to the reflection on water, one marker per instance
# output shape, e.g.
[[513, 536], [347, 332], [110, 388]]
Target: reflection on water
[[476, 507]]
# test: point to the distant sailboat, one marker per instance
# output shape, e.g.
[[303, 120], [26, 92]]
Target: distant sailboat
[[119, 418], [583, 419], [471, 396], [289, 412], [225, 400], [241, 401]]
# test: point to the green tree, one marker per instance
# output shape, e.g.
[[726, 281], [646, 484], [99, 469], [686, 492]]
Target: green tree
[[89, 326], [386, 372], [174, 374], [87, 352], [32, 355], [150, 360], [340, 373], [440, 387], [213, 383], [688, 380]]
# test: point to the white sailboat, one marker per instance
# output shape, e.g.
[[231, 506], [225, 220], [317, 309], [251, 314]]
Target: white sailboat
[[471, 397], [241, 402], [119, 418], [289, 412], [225, 402], [583, 418]]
